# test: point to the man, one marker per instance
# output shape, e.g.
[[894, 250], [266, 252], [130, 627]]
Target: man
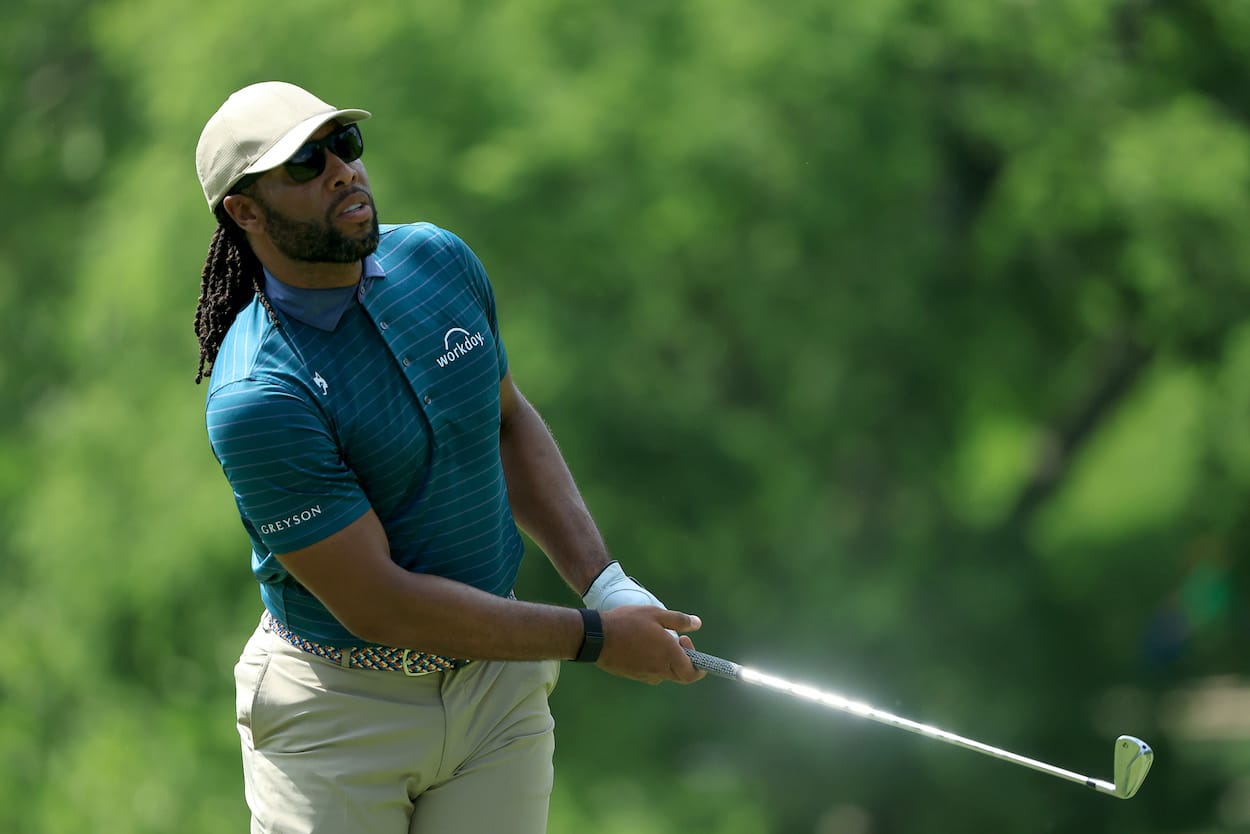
[[361, 407]]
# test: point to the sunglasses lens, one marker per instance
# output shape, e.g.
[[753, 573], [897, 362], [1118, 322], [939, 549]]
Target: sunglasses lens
[[307, 164], [348, 144], [310, 160]]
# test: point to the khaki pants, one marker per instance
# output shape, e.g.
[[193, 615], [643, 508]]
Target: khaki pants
[[332, 750]]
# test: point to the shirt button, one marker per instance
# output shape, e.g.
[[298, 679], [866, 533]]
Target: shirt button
[[407, 361], [428, 399], [384, 324]]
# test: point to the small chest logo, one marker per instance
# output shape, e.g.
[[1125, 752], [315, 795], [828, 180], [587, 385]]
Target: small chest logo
[[456, 343], [320, 382]]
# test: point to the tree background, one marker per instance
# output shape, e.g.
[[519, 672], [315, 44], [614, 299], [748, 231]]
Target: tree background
[[903, 341]]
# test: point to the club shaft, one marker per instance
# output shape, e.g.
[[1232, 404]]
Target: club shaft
[[733, 671]]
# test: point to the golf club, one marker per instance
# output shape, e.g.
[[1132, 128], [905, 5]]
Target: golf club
[[1132, 755]]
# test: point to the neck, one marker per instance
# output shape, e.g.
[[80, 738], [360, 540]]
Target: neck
[[311, 275]]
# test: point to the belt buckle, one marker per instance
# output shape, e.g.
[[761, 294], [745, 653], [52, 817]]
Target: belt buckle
[[403, 665]]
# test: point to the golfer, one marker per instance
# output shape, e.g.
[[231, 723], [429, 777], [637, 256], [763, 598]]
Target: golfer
[[361, 407]]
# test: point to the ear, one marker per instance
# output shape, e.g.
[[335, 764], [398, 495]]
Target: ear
[[244, 211]]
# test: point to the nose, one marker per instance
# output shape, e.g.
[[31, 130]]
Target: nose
[[339, 173]]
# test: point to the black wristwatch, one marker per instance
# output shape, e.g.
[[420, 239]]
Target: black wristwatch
[[592, 642]]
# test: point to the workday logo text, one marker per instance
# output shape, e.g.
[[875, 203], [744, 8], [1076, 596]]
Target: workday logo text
[[456, 343]]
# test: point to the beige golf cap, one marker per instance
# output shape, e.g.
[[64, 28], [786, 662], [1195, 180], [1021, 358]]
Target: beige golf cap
[[259, 128]]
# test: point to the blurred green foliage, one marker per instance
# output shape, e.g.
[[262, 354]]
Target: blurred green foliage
[[905, 342]]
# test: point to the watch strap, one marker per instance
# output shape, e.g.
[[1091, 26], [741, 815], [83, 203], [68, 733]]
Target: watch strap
[[592, 639]]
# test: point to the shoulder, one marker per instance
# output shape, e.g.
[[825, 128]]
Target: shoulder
[[420, 246], [253, 412], [424, 258], [399, 243], [247, 346], [255, 398], [258, 374]]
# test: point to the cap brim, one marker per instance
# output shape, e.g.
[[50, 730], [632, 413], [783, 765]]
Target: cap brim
[[286, 147]]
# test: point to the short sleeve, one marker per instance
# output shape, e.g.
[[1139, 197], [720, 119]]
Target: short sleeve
[[290, 482]]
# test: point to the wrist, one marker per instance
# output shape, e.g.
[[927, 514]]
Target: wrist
[[592, 636], [613, 588], [597, 575]]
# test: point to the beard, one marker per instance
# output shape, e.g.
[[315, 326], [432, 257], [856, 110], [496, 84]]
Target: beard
[[313, 242]]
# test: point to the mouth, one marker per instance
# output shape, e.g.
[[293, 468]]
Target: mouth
[[357, 210], [356, 207]]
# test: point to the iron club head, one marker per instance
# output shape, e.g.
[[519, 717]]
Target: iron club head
[[1133, 758]]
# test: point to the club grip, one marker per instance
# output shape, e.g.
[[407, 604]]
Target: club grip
[[714, 665]]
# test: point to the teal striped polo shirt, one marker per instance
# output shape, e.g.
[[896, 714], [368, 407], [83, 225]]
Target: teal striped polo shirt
[[394, 407]]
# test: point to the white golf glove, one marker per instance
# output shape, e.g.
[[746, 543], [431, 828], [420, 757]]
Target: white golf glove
[[613, 588]]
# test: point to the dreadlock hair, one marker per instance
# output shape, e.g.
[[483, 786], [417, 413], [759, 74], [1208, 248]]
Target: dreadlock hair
[[232, 276]]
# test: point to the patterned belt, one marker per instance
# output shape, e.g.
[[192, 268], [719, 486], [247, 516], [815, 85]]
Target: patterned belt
[[379, 658]]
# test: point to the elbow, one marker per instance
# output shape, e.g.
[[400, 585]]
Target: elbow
[[375, 630], [370, 625], [369, 632]]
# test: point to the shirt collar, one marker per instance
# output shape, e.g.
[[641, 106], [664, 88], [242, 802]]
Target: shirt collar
[[322, 309]]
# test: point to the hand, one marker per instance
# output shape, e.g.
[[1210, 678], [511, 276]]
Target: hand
[[612, 589], [637, 644]]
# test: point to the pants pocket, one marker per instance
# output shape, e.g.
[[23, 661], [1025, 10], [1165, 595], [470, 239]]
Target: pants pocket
[[553, 675], [249, 674]]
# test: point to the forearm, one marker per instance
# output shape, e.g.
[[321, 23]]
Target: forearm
[[445, 617], [545, 500], [353, 575], [441, 616]]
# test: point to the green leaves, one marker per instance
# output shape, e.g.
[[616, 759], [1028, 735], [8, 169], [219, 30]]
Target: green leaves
[[900, 341]]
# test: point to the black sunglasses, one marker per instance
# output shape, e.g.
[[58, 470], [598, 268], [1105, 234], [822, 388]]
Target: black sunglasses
[[309, 161]]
